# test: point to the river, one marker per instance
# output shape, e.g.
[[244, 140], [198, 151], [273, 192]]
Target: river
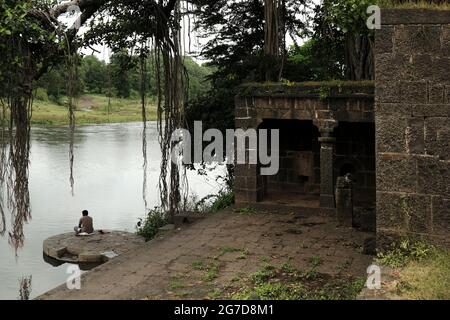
[[108, 182]]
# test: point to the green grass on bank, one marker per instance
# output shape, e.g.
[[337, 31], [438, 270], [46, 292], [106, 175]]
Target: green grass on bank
[[423, 270], [90, 109]]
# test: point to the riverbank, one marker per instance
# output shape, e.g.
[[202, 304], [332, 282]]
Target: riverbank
[[235, 254], [91, 109]]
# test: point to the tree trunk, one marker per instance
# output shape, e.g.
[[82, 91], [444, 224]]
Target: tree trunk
[[359, 57]]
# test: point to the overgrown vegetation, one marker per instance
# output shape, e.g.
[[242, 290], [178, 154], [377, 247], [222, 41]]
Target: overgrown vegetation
[[288, 283], [419, 4], [423, 270], [404, 252], [156, 218], [148, 227]]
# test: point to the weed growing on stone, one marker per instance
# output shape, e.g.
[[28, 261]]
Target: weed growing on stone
[[405, 251]]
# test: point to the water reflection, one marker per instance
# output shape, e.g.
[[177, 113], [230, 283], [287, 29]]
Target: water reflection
[[108, 182]]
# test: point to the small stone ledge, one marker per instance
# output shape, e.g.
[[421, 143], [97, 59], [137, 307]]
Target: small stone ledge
[[96, 248], [415, 16], [322, 90]]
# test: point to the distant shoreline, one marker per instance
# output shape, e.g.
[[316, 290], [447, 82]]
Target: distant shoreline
[[91, 109]]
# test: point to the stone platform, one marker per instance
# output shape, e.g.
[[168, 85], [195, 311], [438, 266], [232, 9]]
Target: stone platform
[[95, 248]]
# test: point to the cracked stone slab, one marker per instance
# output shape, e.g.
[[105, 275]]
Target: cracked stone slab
[[98, 247]]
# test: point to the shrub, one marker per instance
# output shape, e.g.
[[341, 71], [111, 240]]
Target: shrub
[[41, 94], [405, 251], [224, 199], [148, 227], [211, 203]]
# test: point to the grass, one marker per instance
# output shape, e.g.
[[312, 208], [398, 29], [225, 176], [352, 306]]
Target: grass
[[212, 272], [90, 109], [198, 265], [400, 254], [428, 279], [175, 284], [423, 270], [315, 261], [287, 283]]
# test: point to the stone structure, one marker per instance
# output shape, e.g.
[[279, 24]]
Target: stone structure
[[412, 57], [330, 129], [96, 248], [326, 130]]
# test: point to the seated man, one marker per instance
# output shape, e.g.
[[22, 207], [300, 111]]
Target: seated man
[[85, 225]]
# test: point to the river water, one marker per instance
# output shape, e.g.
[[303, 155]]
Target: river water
[[108, 182]]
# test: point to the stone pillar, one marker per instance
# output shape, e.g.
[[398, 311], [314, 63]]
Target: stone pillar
[[326, 170], [344, 201], [412, 114], [248, 186]]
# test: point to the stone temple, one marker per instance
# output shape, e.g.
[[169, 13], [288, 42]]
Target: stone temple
[[390, 138]]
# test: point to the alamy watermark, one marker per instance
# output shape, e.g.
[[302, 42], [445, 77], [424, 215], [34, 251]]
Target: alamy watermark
[[73, 282], [74, 11], [374, 20], [373, 277], [250, 146]]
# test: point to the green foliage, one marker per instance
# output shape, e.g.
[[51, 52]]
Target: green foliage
[[427, 279], [350, 16], [148, 227], [287, 283], [212, 272], [211, 203], [246, 211], [41, 94], [94, 74], [305, 64], [223, 200], [263, 275], [198, 265], [405, 251]]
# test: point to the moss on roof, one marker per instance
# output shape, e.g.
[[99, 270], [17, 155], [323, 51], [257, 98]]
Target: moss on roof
[[322, 89], [413, 4]]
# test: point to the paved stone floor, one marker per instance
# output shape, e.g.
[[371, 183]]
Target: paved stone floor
[[235, 243]]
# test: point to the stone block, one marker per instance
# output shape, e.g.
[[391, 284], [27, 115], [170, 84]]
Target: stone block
[[417, 39], [441, 215], [399, 109], [384, 40], [440, 68], [389, 214], [246, 196], [433, 176], [447, 94], [414, 91], [404, 212], [388, 93], [390, 133], [386, 65], [430, 110], [437, 135], [415, 143], [396, 173], [418, 210], [411, 16], [245, 122], [446, 40], [436, 93], [245, 170]]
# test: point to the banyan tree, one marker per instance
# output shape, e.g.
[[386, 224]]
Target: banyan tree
[[34, 37]]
